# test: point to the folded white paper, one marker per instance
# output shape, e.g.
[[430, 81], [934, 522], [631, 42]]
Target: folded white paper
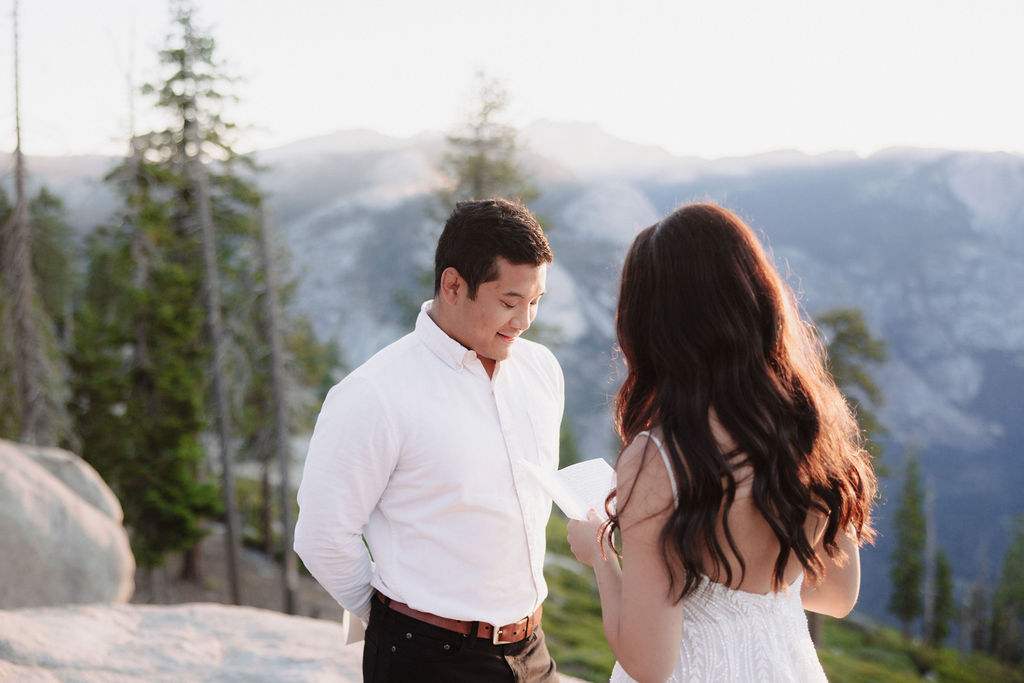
[[577, 488]]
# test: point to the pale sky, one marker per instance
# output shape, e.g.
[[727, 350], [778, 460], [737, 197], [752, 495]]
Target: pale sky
[[712, 78]]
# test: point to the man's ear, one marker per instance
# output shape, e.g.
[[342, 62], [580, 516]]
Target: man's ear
[[452, 285]]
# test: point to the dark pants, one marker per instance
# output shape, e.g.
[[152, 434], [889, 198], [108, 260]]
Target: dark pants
[[400, 649]]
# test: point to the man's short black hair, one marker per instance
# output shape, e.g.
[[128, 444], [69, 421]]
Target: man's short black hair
[[479, 231]]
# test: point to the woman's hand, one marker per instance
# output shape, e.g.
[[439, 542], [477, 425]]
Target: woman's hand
[[585, 538]]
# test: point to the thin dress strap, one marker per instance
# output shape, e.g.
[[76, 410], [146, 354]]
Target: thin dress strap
[[668, 463]]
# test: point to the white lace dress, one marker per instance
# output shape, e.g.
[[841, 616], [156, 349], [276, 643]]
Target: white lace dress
[[735, 636]]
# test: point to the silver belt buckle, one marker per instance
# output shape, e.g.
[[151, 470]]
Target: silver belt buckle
[[495, 633]]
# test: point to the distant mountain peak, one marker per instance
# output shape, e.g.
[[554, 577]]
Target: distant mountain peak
[[588, 150], [339, 142]]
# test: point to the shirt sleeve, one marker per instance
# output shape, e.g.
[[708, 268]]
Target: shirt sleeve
[[559, 387], [351, 456]]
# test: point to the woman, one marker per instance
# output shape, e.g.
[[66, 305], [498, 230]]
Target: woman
[[743, 490]]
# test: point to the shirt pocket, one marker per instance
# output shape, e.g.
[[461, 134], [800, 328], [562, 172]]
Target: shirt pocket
[[546, 432]]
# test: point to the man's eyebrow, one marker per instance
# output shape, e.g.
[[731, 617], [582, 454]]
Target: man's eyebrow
[[521, 296]]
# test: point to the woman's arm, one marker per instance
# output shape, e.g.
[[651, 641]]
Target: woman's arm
[[642, 621], [836, 593]]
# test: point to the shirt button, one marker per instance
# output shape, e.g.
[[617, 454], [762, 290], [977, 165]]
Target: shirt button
[[408, 636], [394, 649]]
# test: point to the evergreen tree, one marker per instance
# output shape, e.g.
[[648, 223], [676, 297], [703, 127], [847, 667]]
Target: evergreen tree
[[975, 621], [851, 351], [1008, 600], [53, 260], [189, 233], [137, 363], [483, 156], [568, 449], [907, 558], [210, 211], [944, 609]]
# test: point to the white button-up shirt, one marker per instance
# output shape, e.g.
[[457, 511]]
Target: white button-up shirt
[[418, 450]]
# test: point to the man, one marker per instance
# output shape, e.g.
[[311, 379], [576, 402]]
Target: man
[[420, 450]]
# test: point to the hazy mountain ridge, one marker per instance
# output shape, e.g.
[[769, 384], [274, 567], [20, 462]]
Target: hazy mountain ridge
[[911, 238], [928, 243]]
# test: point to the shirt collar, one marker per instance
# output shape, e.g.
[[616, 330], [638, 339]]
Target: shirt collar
[[454, 354]]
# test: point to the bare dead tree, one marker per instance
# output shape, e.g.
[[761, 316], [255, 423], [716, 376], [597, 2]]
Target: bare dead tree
[[21, 285], [272, 318]]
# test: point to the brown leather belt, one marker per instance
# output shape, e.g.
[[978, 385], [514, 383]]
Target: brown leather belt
[[509, 633]]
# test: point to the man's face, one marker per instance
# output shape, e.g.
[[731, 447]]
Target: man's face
[[502, 310]]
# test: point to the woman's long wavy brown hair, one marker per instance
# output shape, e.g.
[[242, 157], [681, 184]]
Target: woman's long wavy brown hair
[[706, 322]]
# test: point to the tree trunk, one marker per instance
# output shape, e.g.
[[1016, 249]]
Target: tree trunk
[[192, 562], [144, 587], [289, 565], [142, 248], [266, 505], [215, 327], [17, 251], [928, 589]]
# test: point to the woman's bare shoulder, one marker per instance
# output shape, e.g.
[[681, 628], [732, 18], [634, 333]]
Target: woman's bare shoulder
[[638, 455], [643, 477]]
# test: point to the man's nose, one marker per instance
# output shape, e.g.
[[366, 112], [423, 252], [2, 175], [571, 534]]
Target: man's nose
[[521, 321]]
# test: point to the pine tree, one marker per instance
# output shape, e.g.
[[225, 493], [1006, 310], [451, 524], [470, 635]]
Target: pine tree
[[1008, 600], [190, 233], [53, 260], [907, 558], [851, 351], [943, 609], [974, 620], [214, 211], [137, 368], [483, 157]]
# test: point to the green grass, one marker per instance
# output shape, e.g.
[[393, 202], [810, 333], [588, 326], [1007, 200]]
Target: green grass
[[851, 653], [572, 613], [855, 653]]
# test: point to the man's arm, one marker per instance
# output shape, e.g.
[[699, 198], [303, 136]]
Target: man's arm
[[351, 456]]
